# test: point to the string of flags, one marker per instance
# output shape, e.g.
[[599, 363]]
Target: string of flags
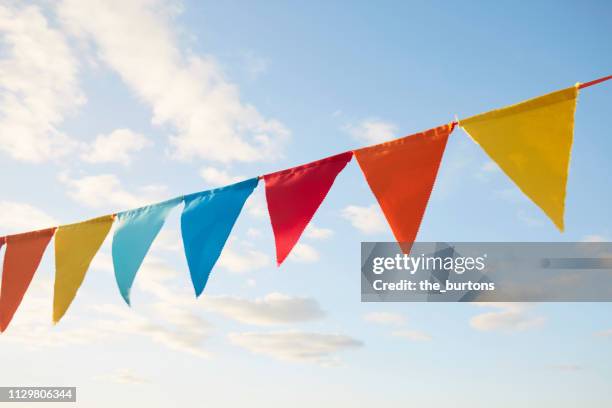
[[530, 141]]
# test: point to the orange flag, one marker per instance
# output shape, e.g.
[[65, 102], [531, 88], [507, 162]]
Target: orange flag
[[22, 257], [401, 174]]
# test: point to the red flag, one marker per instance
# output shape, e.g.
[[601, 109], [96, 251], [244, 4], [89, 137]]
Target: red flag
[[401, 174], [21, 259], [293, 196]]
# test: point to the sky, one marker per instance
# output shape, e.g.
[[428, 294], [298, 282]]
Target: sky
[[107, 105]]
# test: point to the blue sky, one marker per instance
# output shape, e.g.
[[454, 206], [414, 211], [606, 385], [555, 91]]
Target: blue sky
[[107, 105]]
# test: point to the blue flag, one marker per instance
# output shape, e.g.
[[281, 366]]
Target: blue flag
[[135, 231], [206, 222]]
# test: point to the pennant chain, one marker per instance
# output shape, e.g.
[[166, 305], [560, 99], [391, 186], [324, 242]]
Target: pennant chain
[[530, 141]]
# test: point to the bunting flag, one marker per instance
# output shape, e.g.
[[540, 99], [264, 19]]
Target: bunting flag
[[401, 174], [531, 142], [295, 194], [21, 259], [134, 233], [75, 247], [206, 222]]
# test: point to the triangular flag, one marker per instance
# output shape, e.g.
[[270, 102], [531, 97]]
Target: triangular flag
[[401, 174], [21, 259], [531, 142], [75, 247], [295, 194], [206, 222], [134, 233]]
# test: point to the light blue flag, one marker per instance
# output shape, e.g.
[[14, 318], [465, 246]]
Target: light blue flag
[[206, 222], [135, 231]]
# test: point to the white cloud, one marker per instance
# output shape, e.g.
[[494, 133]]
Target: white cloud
[[215, 177], [105, 191], [38, 85], [256, 206], [395, 319], [103, 261], [22, 217], [273, 309], [116, 147], [511, 317], [303, 253], [168, 240], [186, 92], [412, 335], [369, 220], [124, 376], [239, 257], [385, 318], [296, 346], [372, 131], [254, 232], [171, 320], [314, 232]]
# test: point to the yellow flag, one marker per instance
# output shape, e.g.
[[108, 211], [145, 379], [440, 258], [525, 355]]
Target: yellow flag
[[531, 142], [75, 247]]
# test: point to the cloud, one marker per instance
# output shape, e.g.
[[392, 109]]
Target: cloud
[[105, 191], [273, 309], [256, 206], [178, 329], [103, 261], [22, 217], [303, 253], [240, 257], [254, 232], [511, 317], [314, 232], [116, 147], [368, 220], [38, 86], [216, 178], [124, 376], [295, 346], [412, 335], [171, 320], [385, 318], [372, 131], [395, 319], [187, 92], [168, 240]]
